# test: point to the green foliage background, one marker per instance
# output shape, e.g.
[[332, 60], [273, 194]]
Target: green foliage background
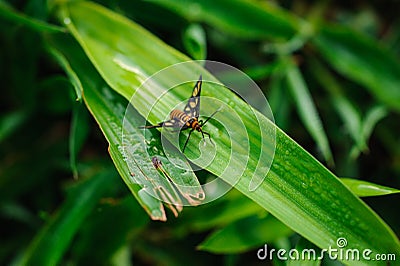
[[331, 73]]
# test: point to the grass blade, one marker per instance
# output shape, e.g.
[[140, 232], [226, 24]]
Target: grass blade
[[244, 19], [372, 117], [194, 40], [307, 110], [245, 234], [62, 227], [7, 12], [362, 60], [367, 189]]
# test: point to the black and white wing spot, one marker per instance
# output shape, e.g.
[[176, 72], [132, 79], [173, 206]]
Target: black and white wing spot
[[173, 123], [192, 107]]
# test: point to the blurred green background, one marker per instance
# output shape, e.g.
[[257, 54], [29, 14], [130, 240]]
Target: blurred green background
[[351, 70]]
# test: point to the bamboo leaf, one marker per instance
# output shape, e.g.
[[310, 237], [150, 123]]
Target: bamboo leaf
[[10, 122], [49, 245], [367, 189], [353, 55], [245, 234], [78, 134], [362, 60], [73, 78], [346, 110], [105, 106], [372, 117], [194, 40], [307, 110], [245, 19], [220, 213], [7, 12], [297, 190]]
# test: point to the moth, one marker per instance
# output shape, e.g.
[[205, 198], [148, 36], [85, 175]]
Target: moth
[[189, 117]]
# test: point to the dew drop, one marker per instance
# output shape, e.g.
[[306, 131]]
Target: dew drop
[[67, 21]]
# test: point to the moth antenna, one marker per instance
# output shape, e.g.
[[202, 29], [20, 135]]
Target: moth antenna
[[216, 111]]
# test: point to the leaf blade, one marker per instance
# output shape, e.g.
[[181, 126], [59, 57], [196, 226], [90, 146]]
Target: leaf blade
[[307, 110], [296, 180], [63, 226], [367, 189], [244, 235], [244, 19], [362, 60]]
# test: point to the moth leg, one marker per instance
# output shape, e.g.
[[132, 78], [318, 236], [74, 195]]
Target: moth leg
[[187, 140], [208, 134], [216, 111], [152, 126]]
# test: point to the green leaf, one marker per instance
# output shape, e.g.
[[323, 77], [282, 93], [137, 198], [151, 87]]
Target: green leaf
[[7, 12], [372, 117], [359, 129], [69, 71], [244, 19], [245, 234], [123, 219], [194, 40], [346, 110], [367, 189], [107, 108], [279, 99], [150, 204], [298, 190], [78, 134], [49, 245], [221, 212], [262, 71], [362, 60], [104, 111], [10, 122], [307, 110]]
